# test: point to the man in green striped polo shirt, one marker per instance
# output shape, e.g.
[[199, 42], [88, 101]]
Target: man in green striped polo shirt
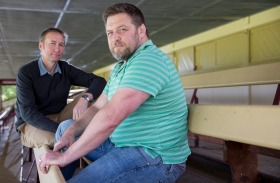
[[137, 129]]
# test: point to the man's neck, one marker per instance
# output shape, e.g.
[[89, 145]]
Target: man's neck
[[50, 66]]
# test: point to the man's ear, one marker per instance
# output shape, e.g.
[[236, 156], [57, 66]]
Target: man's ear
[[142, 30], [40, 45]]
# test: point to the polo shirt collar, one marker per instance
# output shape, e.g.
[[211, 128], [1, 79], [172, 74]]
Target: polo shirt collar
[[142, 47], [43, 69]]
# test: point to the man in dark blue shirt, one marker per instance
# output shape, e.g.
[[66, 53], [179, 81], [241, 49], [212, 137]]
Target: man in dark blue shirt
[[43, 87]]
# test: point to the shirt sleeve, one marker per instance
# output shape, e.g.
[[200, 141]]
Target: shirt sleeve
[[147, 72], [94, 83]]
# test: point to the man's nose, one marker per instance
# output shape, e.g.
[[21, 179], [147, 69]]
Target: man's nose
[[116, 37], [57, 48]]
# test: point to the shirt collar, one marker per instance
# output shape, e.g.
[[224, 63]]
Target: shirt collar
[[142, 47], [43, 69]]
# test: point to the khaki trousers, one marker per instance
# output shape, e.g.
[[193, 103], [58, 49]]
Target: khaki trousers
[[34, 137]]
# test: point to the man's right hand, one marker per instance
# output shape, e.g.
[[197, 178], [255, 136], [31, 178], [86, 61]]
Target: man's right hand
[[64, 142]]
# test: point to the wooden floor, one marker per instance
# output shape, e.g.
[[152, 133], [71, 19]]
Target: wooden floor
[[206, 165], [10, 155], [200, 168]]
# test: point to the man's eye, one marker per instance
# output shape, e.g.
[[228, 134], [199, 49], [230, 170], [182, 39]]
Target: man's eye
[[122, 30]]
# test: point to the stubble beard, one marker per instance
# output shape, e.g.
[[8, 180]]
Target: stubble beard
[[124, 55], [127, 51]]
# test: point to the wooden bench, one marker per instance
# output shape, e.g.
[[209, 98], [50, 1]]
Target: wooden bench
[[54, 174], [245, 130], [74, 93], [5, 115]]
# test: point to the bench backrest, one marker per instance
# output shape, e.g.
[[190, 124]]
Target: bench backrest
[[250, 75], [250, 124]]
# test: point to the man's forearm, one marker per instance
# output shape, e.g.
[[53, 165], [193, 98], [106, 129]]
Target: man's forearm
[[38, 120], [80, 125]]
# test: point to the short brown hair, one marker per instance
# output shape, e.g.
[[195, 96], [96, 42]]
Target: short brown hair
[[45, 32], [134, 12]]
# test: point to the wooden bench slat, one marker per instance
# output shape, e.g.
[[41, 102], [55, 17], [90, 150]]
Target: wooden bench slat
[[54, 174], [250, 75], [256, 125]]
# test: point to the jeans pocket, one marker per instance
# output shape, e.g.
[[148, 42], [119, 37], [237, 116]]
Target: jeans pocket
[[181, 167], [147, 158], [174, 171]]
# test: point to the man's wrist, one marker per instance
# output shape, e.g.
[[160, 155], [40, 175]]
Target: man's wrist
[[87, 98]]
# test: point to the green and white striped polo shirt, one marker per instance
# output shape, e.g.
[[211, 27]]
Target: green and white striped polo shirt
[[159, 125]]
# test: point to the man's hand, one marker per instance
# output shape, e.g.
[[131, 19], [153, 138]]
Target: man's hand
[[50, 158], [80, 108], [64, 142]]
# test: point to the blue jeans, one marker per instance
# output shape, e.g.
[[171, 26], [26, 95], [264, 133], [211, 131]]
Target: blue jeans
[[122, 165]]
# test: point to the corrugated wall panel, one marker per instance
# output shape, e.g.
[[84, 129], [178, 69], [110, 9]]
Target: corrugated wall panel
[[228, 51], [265, 43], [185, 59], [205, 56], [232, 50]]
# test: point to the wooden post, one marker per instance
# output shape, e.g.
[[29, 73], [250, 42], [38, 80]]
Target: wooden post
[[194, 100], [277, 96], [243, 162], [1, 106]]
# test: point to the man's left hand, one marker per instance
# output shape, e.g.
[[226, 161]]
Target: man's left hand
[[80, 108]]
